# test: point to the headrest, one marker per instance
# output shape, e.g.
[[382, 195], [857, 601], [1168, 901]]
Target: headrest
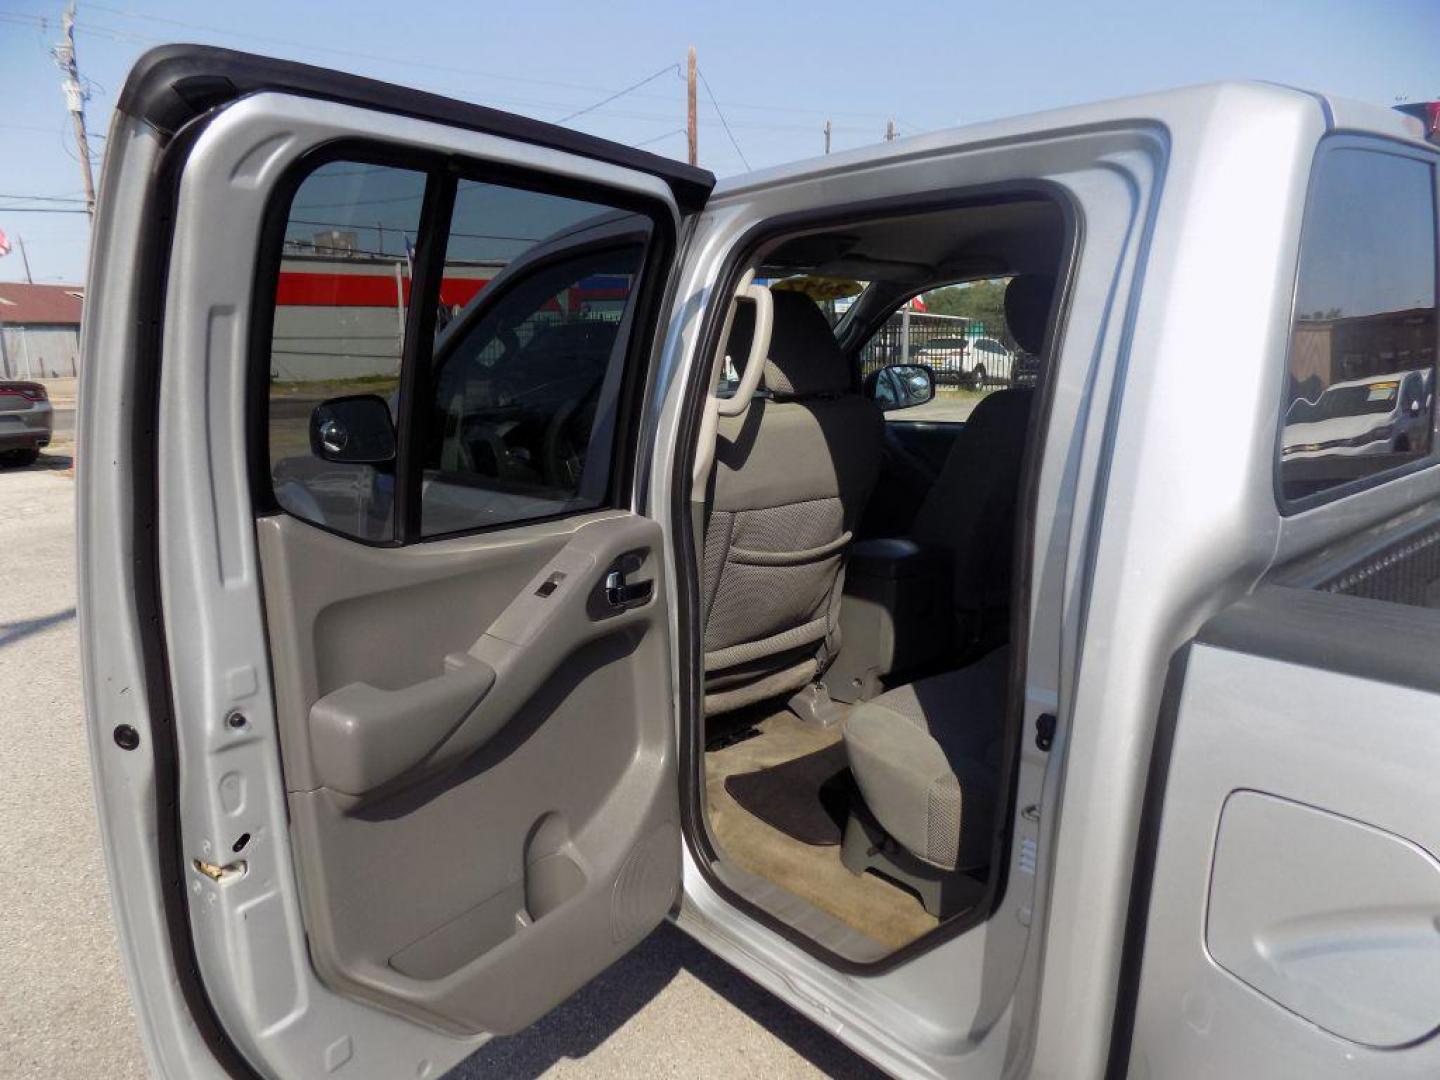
[[1027, 310], [805, 360]]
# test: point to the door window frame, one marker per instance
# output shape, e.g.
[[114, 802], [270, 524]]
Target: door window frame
[[443, 172]]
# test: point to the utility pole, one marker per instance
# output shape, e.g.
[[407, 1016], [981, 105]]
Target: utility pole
[[827, 136], [24, 259], [889, 130], [693, 125], [64, 54]]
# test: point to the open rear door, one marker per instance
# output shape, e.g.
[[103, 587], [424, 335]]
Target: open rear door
[[377, 652]]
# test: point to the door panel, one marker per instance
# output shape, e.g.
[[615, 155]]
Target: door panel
[[1294, 899], [424, 891]]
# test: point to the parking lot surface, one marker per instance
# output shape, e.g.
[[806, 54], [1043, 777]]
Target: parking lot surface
[[669, 1009]]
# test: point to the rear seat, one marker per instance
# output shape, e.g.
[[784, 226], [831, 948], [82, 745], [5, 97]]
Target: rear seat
[[926, 756]]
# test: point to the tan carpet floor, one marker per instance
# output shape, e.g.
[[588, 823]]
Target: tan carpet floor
[[878, 909]]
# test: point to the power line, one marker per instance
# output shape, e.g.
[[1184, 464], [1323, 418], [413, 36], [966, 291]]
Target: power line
[[723, 122], [657, 138], [44, 24], [46, 198], [310, 46], [620, 93], [41, 210]]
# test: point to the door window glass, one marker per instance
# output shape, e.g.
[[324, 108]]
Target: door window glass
[[531, 334], [338, 333], [1360, 392]]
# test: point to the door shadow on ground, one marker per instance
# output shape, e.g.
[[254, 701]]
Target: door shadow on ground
[[49, 461], [12, 632], [597, 1012]]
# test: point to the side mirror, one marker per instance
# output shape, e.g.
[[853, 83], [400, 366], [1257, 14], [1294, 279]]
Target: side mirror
[[353, 431], [900, 386]]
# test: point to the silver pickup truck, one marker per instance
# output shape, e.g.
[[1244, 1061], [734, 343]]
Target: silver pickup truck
[[493, 543]]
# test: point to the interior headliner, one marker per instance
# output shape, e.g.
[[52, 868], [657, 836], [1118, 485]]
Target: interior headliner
[[989, 240]]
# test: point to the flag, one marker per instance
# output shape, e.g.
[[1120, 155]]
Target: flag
[[4, 243], [918, 304]]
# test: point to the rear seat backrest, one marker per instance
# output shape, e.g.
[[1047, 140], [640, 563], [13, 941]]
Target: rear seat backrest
[[792, 475], [973, 506]]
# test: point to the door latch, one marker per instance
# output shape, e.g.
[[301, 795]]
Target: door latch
[[1045, 731]]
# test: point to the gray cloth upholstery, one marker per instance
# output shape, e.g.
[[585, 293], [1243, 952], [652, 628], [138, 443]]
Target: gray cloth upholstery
[[1027, 310], [972, 508], [926, 757], [804, 359], [791, 479]]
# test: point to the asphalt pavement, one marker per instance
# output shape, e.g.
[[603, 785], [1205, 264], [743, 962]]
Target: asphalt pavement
[[669, 1009]]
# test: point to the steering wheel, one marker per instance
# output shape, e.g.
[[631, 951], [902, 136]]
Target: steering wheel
[[567, 437]]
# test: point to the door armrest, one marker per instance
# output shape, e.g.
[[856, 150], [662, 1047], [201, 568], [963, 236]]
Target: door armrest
[[363, 736]]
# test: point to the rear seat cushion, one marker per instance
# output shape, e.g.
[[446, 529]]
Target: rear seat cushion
[[926, 758]]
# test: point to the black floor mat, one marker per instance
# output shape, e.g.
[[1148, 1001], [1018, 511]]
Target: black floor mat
[[807, 797]]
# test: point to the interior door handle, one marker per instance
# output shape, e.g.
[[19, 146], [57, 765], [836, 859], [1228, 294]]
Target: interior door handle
[[621, 593]]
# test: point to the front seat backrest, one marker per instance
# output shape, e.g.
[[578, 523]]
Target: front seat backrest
[[792, 475], [972, 507]]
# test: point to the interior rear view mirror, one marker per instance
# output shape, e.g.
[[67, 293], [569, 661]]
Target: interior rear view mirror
[[353, 430], [900, 386]]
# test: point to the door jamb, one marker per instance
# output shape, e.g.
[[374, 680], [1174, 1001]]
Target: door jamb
[[691, 680]]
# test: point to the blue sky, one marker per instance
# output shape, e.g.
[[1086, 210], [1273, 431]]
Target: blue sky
[[777, 69]]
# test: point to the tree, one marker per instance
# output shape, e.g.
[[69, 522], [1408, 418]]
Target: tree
[[981, 300]]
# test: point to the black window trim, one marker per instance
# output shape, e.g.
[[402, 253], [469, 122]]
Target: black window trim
[[1378, 145], [443, 171]]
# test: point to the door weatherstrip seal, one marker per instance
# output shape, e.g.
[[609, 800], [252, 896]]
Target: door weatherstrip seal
[[173, 84]]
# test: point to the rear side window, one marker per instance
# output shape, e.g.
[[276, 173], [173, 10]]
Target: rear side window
[[1360, 391], [447, 353], [339, 331]]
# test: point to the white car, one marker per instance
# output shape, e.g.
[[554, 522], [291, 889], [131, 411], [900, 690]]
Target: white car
[[990, 359], [964, 361], [1378, 415], [951, 359]]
